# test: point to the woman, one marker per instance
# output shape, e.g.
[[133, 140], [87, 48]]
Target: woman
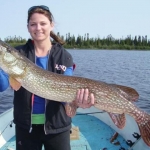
[[40, 121]]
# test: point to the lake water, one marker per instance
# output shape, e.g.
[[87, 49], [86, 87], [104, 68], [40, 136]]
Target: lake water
[[129, 68]]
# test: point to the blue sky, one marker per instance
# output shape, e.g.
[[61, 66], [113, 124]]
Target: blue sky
[[99, 18]]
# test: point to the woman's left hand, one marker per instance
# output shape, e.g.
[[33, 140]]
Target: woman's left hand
[[80, 101], [84, 99]]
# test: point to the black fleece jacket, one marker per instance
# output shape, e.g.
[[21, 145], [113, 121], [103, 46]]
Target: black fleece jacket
[[56, 119]]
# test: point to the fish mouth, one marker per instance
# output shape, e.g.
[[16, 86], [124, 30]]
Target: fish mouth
[[2, 50]]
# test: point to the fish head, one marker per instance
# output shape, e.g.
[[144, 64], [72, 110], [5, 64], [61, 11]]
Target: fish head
[[11, 61], [3, 54]]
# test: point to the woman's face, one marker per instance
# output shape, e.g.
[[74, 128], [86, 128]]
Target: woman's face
[[39, 27]]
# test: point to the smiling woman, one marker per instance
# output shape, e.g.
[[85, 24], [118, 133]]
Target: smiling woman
[[40, 121], [46, 20], [39, 26]]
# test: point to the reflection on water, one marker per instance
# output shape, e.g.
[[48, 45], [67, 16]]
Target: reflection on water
[[130, 68]]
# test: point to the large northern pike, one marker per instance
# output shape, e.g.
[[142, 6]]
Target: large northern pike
[[115, 99]]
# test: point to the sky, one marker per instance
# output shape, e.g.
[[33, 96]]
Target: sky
[[99, 18]]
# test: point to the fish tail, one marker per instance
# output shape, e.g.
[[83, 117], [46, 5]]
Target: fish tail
[[118, 119], [144, 126]]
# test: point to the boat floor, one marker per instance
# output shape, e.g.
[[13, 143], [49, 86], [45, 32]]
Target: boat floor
[[93, 135]]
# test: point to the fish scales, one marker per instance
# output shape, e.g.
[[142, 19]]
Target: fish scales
[[63, 88]]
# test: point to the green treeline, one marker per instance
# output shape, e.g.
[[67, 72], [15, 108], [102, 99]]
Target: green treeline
[[85, 42], [15, 41]]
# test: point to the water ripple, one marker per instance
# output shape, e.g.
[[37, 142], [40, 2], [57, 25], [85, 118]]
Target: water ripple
[[129, 68]]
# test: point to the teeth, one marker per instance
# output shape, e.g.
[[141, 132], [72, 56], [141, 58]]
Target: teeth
[[38, 33]]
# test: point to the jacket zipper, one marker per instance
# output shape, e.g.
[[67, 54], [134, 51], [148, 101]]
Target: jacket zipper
[[45, 99], [45, 117], [32, 99], [30, 130]]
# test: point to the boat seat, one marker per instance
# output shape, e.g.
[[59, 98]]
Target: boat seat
[[74, 133]]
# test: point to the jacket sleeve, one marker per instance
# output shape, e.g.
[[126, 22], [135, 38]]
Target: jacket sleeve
[[4, 81], [67, 60], [69, 71]]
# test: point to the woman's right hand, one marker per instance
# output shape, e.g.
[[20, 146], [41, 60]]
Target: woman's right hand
[[4, 81]]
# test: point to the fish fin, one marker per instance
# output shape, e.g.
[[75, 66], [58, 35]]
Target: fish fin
[[114, 137], [144, 126], [118, 119], [71, 109], [128, 92], [14, 83]]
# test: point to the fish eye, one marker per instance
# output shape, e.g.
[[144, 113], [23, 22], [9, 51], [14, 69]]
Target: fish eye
[[9, 50]]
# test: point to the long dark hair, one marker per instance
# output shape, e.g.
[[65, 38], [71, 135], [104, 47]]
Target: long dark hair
[[49, 15]]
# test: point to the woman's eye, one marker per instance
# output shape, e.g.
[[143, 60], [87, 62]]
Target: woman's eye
[[43, 24]]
